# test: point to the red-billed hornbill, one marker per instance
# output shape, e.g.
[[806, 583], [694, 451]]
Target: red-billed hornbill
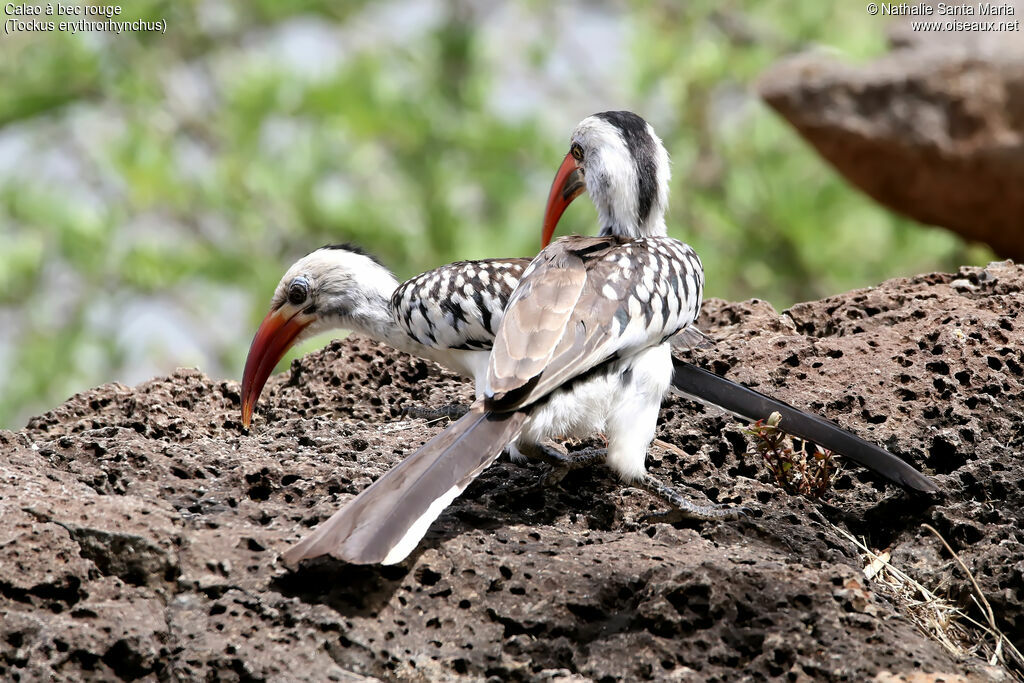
[[447, 315], [583, 347]]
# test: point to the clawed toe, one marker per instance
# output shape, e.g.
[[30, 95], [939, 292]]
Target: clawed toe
[[554, 475], [684, 508]]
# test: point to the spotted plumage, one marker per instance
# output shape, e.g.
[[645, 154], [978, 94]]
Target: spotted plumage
[[457, 306]]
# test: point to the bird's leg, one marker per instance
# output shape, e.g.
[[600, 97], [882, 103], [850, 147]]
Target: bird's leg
[[630, 429], [453, 411], [681, 505]]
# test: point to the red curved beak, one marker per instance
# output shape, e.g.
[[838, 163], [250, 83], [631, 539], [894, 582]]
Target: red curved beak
[[568, 186], [277, 334]]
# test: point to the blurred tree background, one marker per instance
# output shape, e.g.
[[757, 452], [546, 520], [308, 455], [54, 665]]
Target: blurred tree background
[[154, 187]]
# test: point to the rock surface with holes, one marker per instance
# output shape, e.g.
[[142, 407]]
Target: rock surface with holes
[[141, 526]]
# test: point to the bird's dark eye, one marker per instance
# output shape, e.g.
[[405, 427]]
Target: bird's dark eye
[[298, 291], [576, 151]]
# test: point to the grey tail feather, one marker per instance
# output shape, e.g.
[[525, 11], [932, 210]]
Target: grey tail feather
[[707, 387], [385, 522]]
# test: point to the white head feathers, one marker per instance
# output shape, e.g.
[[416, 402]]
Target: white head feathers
[[626, 169]]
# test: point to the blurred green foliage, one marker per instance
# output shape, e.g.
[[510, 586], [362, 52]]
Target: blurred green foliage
[[181, 173]]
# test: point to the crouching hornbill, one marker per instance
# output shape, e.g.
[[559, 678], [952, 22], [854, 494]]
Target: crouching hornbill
[[583, 347], [447, 315]]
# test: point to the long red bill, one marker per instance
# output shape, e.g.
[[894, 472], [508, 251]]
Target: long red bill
[[567, 186], [275, 336]]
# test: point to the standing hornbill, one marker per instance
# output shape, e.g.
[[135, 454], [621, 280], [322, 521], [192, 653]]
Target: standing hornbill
[[584, 346]]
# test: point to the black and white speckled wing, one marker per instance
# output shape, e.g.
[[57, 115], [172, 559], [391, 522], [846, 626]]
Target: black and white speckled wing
[[457, 306], [587, 300]]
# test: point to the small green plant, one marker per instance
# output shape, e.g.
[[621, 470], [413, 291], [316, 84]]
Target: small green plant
[[794, 469]]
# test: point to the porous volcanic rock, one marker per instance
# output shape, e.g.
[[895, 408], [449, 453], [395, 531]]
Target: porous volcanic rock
[[141, 526], [934, 129]]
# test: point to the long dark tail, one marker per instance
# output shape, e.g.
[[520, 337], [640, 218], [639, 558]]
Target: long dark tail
[[707, 387], [385, 522]]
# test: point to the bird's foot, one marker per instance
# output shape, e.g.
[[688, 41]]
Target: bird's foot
[[683, 507], [523, 453], [452, 411], [562, 463]]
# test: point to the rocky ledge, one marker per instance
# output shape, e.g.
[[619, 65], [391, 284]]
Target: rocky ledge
[[141, 526], [934, 129]]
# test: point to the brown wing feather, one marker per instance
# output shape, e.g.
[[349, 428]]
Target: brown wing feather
[[582, 301], [536, 318]]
